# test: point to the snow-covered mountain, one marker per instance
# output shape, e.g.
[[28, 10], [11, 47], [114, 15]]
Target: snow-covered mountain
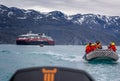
[[65, 29]]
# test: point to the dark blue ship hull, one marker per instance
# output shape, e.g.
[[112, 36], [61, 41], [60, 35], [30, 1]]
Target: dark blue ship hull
[[21, 42]]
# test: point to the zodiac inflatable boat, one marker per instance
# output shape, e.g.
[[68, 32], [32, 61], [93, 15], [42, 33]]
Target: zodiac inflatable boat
[[100, 54]]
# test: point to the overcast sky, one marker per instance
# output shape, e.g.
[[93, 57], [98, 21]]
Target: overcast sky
[[70, 7]]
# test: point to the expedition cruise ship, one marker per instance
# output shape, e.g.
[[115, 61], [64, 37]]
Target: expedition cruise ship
[[34, 39]]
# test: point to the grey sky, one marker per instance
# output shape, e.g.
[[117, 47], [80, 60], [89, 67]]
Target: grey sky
[[103, 7]]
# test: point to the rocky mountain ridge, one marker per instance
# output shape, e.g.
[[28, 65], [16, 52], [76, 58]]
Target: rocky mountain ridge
[[65, 29]]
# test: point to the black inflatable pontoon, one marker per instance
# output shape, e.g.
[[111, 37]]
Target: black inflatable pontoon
[[51, 74]]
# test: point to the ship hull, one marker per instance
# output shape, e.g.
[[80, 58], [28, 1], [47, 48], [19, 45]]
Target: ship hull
[[22, 42]]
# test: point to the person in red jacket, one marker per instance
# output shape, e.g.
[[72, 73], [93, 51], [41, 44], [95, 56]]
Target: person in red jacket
[[88, 48], [98, 45], [94, 47], [112, 46]]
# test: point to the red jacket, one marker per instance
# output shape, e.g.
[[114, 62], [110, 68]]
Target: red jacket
[[93, 47], [88, 49], [112, 47]]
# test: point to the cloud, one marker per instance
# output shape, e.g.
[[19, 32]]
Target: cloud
[[103, 7]]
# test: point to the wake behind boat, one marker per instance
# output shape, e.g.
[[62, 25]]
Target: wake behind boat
[[34, 39], [102, 55]]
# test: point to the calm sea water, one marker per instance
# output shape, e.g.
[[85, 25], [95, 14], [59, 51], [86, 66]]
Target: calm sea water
[[14, 57]]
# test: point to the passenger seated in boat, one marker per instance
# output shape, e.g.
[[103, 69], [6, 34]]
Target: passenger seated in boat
[[93, 46], [88, 48], [98, 45], [112, 46]]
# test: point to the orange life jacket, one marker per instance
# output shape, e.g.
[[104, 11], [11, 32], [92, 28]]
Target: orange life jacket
[[98, 46]]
